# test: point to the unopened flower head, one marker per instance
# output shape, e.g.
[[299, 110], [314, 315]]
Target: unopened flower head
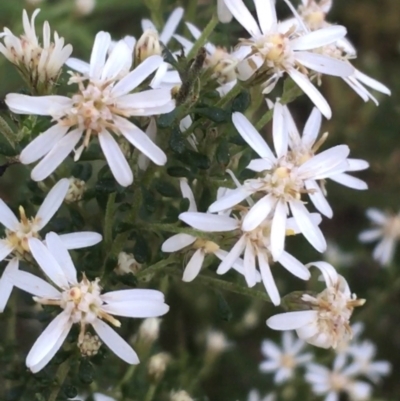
[[101, 105], [85, 7], [326, 323], [149, 330], [81, 302], [127, 264], [39, 64], [89, 345], [157, 365], [386, 230], [147, 45], [76, 190]]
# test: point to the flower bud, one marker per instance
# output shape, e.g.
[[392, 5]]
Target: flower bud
[[127, 264], [76, 190], [90, 345], [216, 343], [149, 330], [85, 7], [147, 45], [157, 365], [181, 395]]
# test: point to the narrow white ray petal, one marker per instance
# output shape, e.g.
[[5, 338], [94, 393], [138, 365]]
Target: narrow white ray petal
[[193, 267], [250, 265], [384, 251], [5, 249], [146, 99], [318, 198], [132, 295], [141, 141], [243, 16], [58, 329], [292, 226], [81, 239], [177, 242], [319, 38], [372, 83], [279, 130], [370, 235], [52, 202], [78, 65], [33, 285], [47, 262], [209, 222], [37, 105], [60, 253], [6, 284], [266, 14], [119, 58], [357, 165], [311, 91], [7, 217], [186, 44], [350, 181], [312, 128], [147, 24], [268, 279], [137, 76], [260, 165], [171, 25], [324, 64], [331, 276], [196, 33], [307, 227], [295, 267], [232, 256], [252, 137], [158, 79], [291, 320], [278, 230], [376, 216], [224, 15], [153, 111], [188, 194], [360, 90], [140, 308], [231, 199], [307, 331], [321, 164], [115, 342], [115, 158], [56, 155], [259, 212], [42, 144], [101, 45]]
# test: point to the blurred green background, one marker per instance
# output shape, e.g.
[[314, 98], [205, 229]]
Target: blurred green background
[[373, 133]]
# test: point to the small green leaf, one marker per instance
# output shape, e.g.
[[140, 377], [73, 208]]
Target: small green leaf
[[214, 114], [224, 311], [166, 189], [85, 372], [70, 391], [222, 153], [241, 102], [177, 171], [141, 250], [195, 159], [167, 120], [177, 141], [106, 186]]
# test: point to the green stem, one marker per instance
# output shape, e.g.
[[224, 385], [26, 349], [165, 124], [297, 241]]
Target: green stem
[[127, 376], [159, 266], [202, 40], [7, 132], [150, 392], [230, 95], [61, 375], [266, 118], [108, 220]]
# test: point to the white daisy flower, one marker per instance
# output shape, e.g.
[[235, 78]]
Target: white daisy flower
[[387, 230], [284, 361], [81, 302], [203, 247], [19, 231], [282, 182], [363, 354], [39, 64], [331, 383], [278, 49], [326, 323], [254, 244], [102, 105]]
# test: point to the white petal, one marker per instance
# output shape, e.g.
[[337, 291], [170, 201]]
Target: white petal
[[376, 216], [357, 165], [209, 222], [56, 156], [307, 227], [291, 320], [295, 267], [132, 295], [372, 83], [279, 130], [119, 58], [7, 217], [251, 136], [350, 181], [42, 144], [47, 262], [52, 202], [142, 308], [101, 45], [140, 140], [312, 127], [115, 342], [147, 24], [44, 347], [258, 213], [318, 198], [37, 105], [6, 284], [146, 99], [177, 242], [137, 76], [193, 268], [5, 249], [188, 194], [171, 25], [78, 65], [319, 38], [384, 251], [232, 256], [278, 230], [115, 159], [60, 253], [233, 198], [293, 228], [268, 279], [324, 64], [311, 91], [328, 271], [224, 15], [370, 235], [80, 240], [266, 14], [250, 265], [260, 165], [243, 16]]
